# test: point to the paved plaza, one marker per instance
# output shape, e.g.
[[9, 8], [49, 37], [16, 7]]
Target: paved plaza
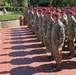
[[21, 54]]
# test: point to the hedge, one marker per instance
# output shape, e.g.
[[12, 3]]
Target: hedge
[[17, 9]]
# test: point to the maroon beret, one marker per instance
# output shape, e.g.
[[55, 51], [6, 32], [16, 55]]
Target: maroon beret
[[39, 9], [57, 14], [35, 8], [58, 10], [71, 12], [63, 10], [44, 8], [48, 12]]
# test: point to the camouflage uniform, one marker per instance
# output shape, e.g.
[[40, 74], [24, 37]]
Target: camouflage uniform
[[50, 23], [37, 26], [40, 26], [44, 28], [35, 23], [26, 14], [65, 22], [30, 20], [58, 37], [27, 17], [71, 33]]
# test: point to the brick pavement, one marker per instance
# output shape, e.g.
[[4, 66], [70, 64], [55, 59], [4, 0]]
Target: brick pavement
[[21, 54]]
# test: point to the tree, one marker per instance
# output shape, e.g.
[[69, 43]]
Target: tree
[[53, 2], [63, 2], [40, 2], [20, 3], [6, 3]]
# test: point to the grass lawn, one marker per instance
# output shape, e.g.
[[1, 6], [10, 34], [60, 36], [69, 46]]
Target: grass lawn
[[12, 16]]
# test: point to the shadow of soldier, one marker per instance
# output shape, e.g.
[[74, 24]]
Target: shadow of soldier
[[20, 61], [45, 68]]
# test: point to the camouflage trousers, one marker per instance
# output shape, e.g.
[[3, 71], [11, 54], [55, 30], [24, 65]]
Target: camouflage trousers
[[71, 47], [37, 33], [48, 45], [57, 52], [30, 25], [40, 35], [44, 39], [35, 29]]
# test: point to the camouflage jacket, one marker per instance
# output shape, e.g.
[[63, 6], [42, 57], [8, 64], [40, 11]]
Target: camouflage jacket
[[39, 21], [71, 27], [35, 18], [49, 27], [58, 33], [64, 21], [44, 24], [30, 17]]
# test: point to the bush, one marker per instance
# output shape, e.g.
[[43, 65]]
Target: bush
[[6, 4], [12, 16], [13, 9], [21, 9], [1, 8]]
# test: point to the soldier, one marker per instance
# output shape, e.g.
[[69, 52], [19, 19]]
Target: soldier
[[35, 18], [39, 24], [30, 18], [44, 27], [26, 13], [63, 10], [50, 22], [71, 33], [24, 20], [21, 21], [64, 20], [58, 37]]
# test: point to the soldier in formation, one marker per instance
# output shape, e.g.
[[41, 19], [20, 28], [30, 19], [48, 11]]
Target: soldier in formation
[[71, 33], [49, 24], [58, 37], [53, 26]]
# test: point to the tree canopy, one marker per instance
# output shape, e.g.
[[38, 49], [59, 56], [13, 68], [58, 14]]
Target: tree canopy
[[20, 3], [53, 2]]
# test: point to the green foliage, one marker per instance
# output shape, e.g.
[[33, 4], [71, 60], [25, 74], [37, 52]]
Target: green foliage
[[44, 4], [21, 9], [12, 16], [6, 3], [34, 2], [63, 2], [40, 2], [52, 2], [13, 9], [21, 3], [1, 8]]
